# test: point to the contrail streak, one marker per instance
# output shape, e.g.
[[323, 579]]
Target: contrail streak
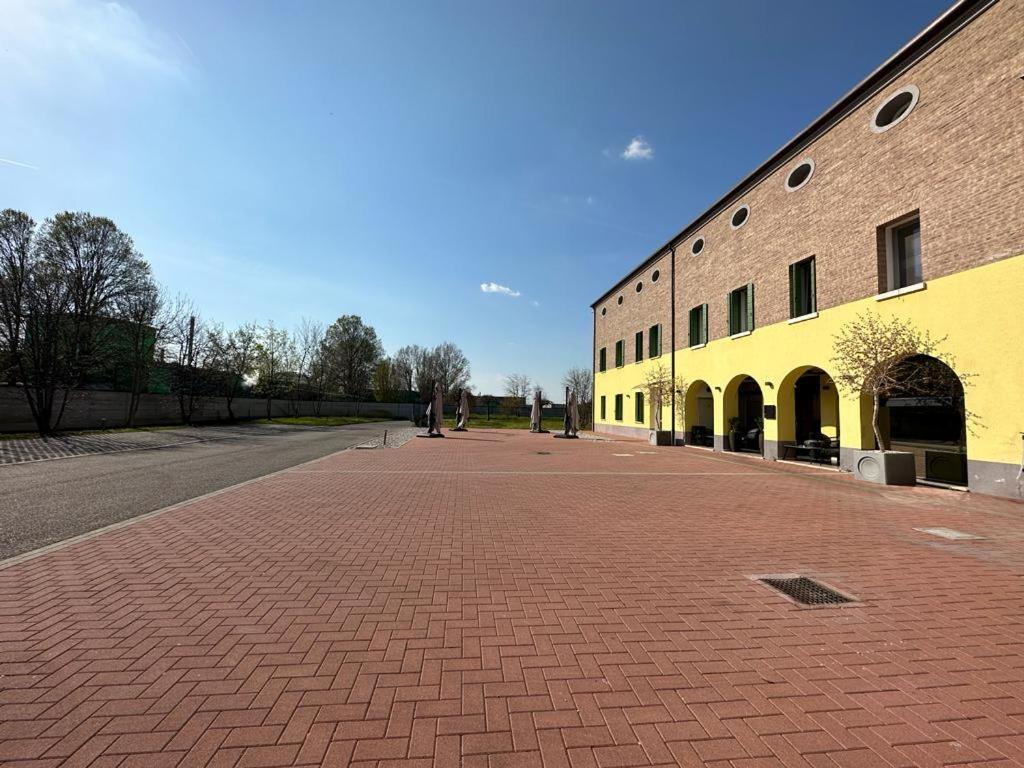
[[20, 165]]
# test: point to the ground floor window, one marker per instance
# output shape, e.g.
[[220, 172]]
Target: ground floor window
[[618, 407], [638, 408], [604, 414]]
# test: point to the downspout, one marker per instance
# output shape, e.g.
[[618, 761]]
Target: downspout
[[593, 369], [672, 337]]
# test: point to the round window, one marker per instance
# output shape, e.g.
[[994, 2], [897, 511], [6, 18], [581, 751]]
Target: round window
[[895, 109], [604, 311], [639, 287], [697, 247], [739, 218], [799, 175], [619, 301], [655, 275]]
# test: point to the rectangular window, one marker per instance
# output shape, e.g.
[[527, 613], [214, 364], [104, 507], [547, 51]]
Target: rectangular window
[[903, 253], [802, 289], [639, 348], [638, 408], [741, 310], [699, 325], [654, 341], [604, 412], [618, 407], [602, 358], [620, 353]]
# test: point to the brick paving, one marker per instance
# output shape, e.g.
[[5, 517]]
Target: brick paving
[[500, 598]]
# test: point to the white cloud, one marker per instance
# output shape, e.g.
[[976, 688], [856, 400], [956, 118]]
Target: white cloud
[[496, 288], [638, 149], [68, 42]]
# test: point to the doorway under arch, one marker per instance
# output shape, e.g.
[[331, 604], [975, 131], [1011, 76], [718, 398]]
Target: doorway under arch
[[808, 416], [700, 414], [744, 415]]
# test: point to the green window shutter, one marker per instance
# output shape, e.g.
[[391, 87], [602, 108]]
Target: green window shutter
[[654, 341], [703, 323], [604, 412], [639, 346], [813, 285], [750, 306], [732, 315], [639, 407], [794, 301], [603, 359]]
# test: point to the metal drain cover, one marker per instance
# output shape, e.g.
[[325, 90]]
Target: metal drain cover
[[949, 533], [805, 591]]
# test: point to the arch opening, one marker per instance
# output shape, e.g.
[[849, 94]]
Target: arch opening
[[928, 417], [808, 417], [699, 415], [744, 415]]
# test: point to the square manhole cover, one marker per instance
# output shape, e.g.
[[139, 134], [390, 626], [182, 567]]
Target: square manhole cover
[[805, 591], [949, 533]]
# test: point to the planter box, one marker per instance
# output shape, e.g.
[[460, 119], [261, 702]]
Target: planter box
[[661, 437], [885, 468]]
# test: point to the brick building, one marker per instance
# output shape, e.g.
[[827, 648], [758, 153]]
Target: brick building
[[904, 199]]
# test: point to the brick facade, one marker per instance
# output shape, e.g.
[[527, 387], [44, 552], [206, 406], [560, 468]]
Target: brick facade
[[956, 159], [638, 312]]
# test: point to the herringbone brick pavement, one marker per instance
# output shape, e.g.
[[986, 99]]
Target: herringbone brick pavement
[[500, 598]]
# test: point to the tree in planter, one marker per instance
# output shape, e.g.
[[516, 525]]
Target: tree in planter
[[658, 387], [888, 358]]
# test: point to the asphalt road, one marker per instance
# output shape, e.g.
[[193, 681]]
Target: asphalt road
[[49, 501]]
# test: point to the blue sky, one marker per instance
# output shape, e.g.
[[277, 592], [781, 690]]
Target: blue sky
[[389, 159]]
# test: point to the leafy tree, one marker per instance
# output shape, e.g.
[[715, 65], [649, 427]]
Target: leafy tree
[[142, 314], [187, 346], [60, 285], [386, 381], [451, 367], [353, 351]]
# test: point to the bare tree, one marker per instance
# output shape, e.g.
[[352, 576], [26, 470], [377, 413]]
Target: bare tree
[[518, 385], [581, 381], [451, 368], [405, 362], [309, 340], [142, 316], [888, 358], [233, 355], [657, 387], [275, 356], [187, 346]]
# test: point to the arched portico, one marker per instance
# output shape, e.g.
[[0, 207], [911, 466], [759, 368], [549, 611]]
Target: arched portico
[[928, 418], [808, 416], [743, 411], [699, 414]]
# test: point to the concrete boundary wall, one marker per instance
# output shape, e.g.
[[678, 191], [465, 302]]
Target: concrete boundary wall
[[99, 409]]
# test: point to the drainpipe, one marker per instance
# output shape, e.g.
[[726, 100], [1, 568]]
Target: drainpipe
[[672, 337], [593, 369]]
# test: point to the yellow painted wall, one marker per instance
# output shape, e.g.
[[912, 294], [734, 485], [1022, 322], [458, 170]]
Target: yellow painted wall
[[980, 311]]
